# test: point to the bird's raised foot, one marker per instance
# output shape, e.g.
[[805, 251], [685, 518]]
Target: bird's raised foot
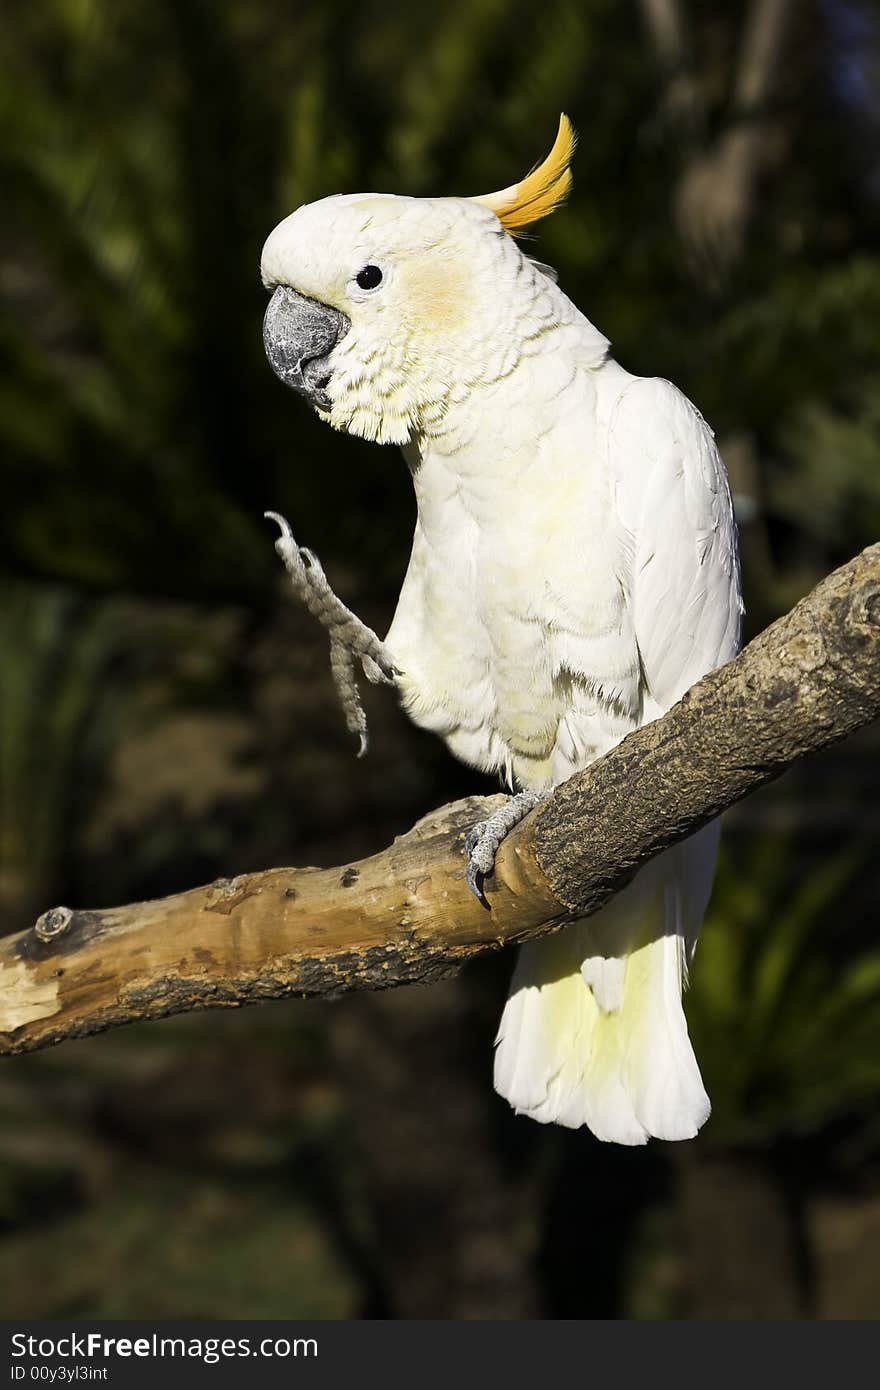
[[308, 578], [350, 639]]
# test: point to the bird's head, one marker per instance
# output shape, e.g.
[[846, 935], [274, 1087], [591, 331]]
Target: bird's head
[[386, 309]]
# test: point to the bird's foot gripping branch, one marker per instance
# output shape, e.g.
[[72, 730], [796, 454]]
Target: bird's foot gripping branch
[[485, 839], [406, 914]]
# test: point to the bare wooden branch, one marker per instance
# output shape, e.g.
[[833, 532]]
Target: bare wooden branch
[[809, 680], [406, 915]]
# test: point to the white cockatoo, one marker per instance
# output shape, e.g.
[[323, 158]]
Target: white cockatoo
[[574, 570]]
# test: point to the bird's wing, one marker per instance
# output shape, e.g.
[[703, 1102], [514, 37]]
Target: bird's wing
[[674, 504], [673, 500]]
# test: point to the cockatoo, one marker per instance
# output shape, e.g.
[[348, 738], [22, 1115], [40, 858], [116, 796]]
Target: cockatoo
[[574, 570]]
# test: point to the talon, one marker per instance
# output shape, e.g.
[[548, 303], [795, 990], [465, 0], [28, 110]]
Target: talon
[[475, 884], [282, 524], [286, 547], [376, 672]]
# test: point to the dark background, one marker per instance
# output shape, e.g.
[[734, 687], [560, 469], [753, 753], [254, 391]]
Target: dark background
[[166, 710]]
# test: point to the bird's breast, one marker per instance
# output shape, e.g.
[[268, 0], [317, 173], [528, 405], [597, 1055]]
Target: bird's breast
[[476, 632]]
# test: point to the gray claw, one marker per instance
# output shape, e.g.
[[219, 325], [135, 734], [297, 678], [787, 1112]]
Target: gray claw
[[281, 523], [481, 844], [378, 673], [475, 882]]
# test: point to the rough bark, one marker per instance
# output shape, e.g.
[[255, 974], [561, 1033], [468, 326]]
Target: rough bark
[[406, 915], [807, 681]]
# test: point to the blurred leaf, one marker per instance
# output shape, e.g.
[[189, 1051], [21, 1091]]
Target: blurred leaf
[[783, 1012]]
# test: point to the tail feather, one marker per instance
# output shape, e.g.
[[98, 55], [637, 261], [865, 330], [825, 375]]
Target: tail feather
[[546, 1046], [660, 1069], [593, 1032]]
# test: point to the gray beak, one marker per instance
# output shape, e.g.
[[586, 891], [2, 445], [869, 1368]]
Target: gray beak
[[299, 334]]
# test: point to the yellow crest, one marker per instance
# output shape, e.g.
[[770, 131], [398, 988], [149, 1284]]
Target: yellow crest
[[541, 191]]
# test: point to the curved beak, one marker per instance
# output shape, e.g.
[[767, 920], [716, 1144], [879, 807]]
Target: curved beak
[[299, 334]]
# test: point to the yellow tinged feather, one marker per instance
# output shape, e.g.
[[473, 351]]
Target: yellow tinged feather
[[541, 191]]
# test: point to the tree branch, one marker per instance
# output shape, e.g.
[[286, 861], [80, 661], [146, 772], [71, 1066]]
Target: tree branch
[[406, 915]]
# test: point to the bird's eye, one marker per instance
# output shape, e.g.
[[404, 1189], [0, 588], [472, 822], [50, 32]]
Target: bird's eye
[[369, 278]]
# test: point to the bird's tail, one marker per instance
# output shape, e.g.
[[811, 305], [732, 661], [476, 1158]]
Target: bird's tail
[[593, 1032]]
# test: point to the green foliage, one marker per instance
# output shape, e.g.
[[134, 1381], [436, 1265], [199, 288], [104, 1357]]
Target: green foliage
[[174, 1185], [835, 488], [57, 708], [784, 1007]]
